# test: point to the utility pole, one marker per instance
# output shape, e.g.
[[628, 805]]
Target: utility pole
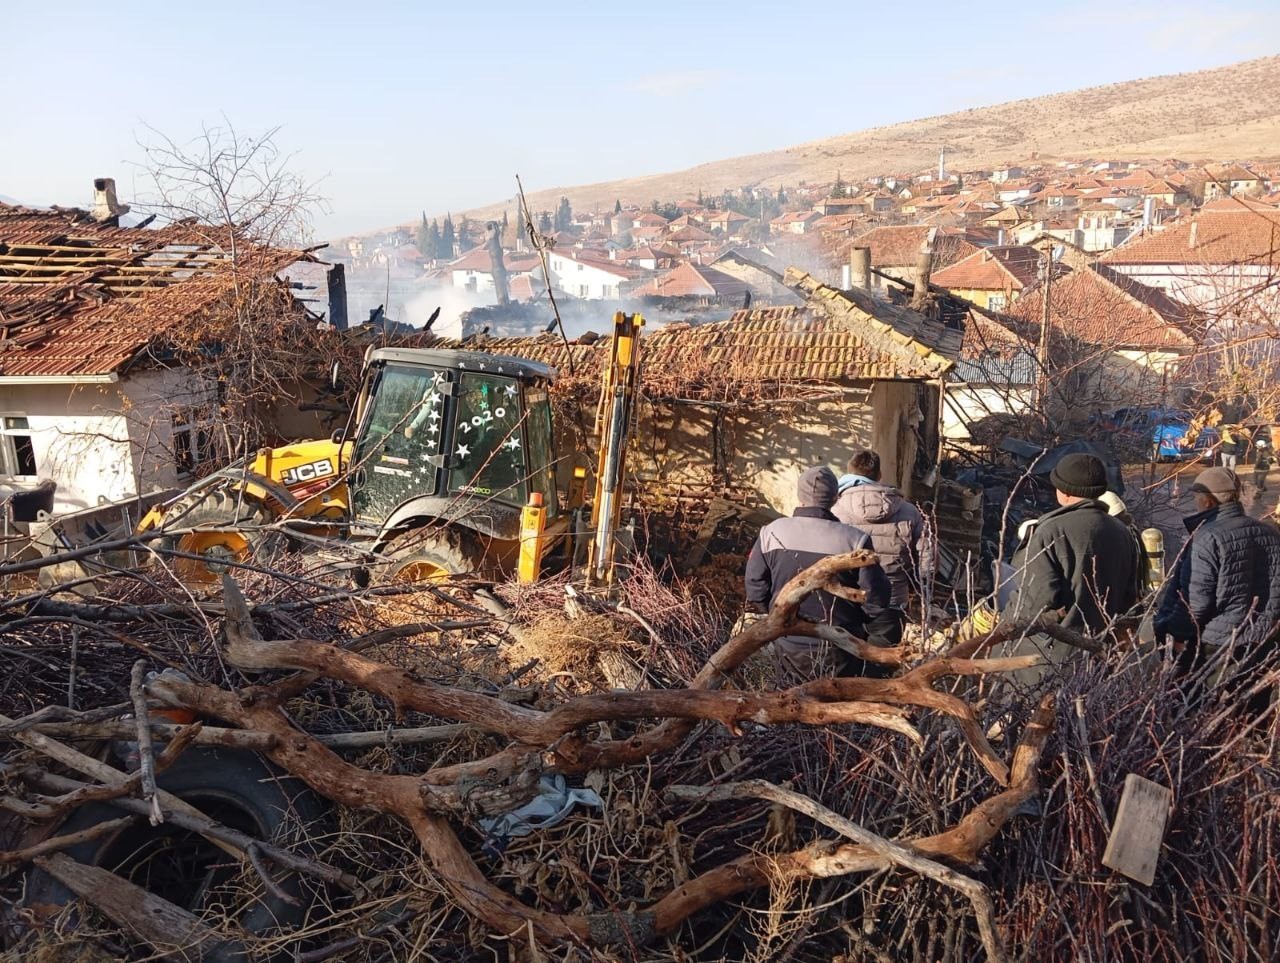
[[1042, 354]]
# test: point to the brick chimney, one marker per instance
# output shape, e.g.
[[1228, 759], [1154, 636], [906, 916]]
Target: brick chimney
[[106, 209]]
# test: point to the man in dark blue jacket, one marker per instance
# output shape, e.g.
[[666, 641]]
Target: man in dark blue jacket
[[788, 546], [1226, 588]]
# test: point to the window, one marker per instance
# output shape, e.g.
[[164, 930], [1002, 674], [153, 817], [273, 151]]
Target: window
[[17, 454], [193, 440], [395, 453], [488, 450], [584, 290], [996, 302], [541, 455]]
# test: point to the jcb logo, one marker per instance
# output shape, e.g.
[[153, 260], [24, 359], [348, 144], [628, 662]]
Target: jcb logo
[[309, 472]]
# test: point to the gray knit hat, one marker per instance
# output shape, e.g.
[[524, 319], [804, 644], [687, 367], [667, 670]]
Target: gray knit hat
[[818, 488]]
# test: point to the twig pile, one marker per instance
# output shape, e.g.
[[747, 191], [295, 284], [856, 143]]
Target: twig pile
[[685, 860]]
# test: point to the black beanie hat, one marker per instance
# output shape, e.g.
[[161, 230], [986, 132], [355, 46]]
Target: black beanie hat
[[1079, 474]]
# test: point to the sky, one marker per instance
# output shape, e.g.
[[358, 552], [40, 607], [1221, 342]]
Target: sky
[[397, 108]]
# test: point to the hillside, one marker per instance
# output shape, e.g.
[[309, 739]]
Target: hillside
[[1229, 112]]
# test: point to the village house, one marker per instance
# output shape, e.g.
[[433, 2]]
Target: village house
[[1115, 342], [1231, 181], [761, 272], [896, 250], [1003, 174], [794, 222], [591, 278], [691, 282], [1209, 260], [736, 409], [993, 277], [474, 270], [96, 407], [994, 380]]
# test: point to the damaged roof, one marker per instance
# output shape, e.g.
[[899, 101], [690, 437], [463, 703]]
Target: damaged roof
[[834, 337], [79, 298]]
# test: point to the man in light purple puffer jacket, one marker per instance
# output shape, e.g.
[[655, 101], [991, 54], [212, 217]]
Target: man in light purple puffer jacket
[[896, 526]]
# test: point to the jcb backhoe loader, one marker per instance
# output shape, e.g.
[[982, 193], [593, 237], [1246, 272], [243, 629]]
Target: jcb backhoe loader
[[444, 452]]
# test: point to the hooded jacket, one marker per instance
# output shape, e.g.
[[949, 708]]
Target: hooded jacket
[[788, 546], [896, 528], [1081, 561], [1233, 568]]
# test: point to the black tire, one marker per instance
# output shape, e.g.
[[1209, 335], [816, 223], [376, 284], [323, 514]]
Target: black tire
[[451, 549], [234, 787], [219, 509]]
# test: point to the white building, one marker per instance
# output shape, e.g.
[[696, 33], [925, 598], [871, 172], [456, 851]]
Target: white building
[[93, 402], [591, 279]]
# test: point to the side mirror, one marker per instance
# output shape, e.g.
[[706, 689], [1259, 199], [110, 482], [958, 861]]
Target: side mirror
[[335, 380], [339, 436]]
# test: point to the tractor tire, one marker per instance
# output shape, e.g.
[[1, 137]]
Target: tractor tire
[[230, 527], [434, 553], [237, 788]]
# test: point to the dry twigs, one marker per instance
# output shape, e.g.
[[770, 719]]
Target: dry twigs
[[416, 732]]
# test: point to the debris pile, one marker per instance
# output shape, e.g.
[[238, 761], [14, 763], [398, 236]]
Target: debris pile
[[597, 782]]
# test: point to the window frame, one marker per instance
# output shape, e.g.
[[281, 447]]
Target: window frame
[[196, 423], [9, 462]]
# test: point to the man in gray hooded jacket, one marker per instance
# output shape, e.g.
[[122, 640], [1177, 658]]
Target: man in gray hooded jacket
[[787, 547], [896, 526]]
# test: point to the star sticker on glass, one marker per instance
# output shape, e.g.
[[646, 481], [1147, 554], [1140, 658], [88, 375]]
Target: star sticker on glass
[[437, 377], [433, 401], [434, 416], [463, 451], [513, 443], [510, 391]]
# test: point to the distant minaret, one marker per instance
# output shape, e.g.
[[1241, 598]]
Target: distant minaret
[[942, 163]]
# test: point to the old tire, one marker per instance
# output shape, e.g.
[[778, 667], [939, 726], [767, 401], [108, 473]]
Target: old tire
[[230, 527], [236, 788], [434, 553]]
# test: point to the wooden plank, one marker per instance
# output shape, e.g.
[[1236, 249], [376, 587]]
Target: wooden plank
[[169, 928], [1138, 830]]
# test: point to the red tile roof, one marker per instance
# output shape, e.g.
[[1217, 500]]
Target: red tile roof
[[687, 280], [1008, 268], [1231, 231], [78, 298], [900, 246], [1100, 306]]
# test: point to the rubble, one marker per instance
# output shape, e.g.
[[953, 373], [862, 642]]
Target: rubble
[[417, 718]]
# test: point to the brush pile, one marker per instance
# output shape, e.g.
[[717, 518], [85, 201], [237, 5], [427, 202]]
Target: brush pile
[[721, 813]]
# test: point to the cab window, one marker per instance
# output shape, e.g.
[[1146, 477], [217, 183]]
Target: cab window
[[541, 455], [488, 455]]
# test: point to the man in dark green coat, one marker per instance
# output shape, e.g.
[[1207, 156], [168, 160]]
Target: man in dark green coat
[[1079, 562]]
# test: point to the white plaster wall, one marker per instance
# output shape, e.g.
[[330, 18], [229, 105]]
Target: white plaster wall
[[966, 404], [80, 440]]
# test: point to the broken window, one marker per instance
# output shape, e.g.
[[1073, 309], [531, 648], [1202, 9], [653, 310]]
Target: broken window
[[17, 453], [193, 440]]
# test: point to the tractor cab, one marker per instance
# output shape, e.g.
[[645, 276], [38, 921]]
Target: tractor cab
[[457, 436]]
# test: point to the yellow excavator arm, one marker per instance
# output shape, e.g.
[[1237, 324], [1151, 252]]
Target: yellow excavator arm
[[614, 415]]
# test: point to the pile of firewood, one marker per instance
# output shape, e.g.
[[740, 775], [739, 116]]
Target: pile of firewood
[[941, 813]]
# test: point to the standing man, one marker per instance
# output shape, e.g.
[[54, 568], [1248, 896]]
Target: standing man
[[896, 527], [1231, 588], [788, 546], [1231, 447], [1262, 458], [1080, 561]]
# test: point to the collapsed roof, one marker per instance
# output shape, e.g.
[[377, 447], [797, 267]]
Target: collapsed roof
[[80, 299]]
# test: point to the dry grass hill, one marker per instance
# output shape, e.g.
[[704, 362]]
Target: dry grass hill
[[1226, 113]]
